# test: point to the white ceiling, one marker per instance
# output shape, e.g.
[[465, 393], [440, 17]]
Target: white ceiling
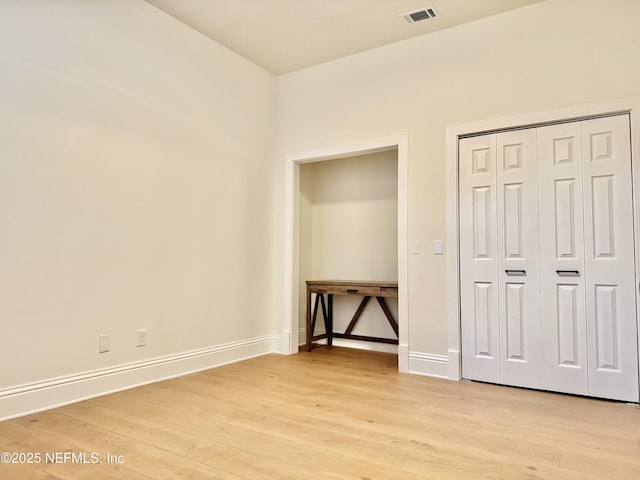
[[288, 35]]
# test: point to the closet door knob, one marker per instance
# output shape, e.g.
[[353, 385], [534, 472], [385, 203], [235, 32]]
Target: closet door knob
[[568, 273], [516, 273]]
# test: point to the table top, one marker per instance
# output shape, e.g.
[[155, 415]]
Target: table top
[[362, 283]]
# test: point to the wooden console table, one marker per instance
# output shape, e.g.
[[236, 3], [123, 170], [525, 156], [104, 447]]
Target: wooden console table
[[320, 288]]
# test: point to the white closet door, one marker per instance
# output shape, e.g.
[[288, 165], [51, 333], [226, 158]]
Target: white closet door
[[562, 290], [609, 258], [518, 258], [547, 261], [478, 259]]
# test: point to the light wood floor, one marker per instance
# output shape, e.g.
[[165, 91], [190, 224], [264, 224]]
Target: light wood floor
[[331, 414]]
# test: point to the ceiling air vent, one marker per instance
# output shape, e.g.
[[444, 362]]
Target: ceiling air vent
[[422, 14]]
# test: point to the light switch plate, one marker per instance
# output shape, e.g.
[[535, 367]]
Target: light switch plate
[[438, 247], [415, 247]]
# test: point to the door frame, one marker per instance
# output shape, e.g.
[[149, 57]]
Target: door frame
[[400, 142], [629, 106]]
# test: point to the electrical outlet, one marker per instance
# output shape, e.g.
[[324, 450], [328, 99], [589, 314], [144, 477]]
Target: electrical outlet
[[141, 337], [104, 343]]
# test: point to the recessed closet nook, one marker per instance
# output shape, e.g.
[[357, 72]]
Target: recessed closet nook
[[348, 223], [547, 261]]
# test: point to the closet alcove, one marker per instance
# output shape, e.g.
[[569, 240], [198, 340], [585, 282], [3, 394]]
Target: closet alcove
[[348, 224]]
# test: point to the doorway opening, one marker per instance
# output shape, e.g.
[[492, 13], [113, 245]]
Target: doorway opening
[[294, 294]]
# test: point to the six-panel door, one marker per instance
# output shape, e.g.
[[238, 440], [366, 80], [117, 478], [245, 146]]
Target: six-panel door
[[518, 258], [562, 293], [478, 259], [609, 259]]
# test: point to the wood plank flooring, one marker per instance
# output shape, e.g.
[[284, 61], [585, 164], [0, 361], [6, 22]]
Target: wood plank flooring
[[334, 414]]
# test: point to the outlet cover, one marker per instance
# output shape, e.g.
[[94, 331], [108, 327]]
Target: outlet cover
[[104, 343], [141, 337]]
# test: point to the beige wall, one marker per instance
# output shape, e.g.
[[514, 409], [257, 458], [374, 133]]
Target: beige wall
[[135, 188], [349, 231], [548, 55], [142, 172]]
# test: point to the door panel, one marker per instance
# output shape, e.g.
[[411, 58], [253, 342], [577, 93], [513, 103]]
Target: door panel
[[482, 301], [609, 259], [565, 217], [515, 317], [482, 222], [512, 199], [602, 210], [518, 298], [478, 259], [606, 328], [567, 327], [562, 293]]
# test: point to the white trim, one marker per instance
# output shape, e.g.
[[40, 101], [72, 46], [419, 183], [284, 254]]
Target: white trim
[[454, 366], [291, 233], [363, 345], [428, 364], [56, 392], [291, 249], [627, 105], [634, 118], [282, 342], [403, 251], [403, 358]]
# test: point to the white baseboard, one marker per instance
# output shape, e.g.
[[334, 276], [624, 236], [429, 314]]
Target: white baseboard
[[403, 358], [36, 397], [429, 364], [455, 372], [283, 344]]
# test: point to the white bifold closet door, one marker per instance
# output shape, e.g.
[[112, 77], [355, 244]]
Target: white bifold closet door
[[499, 258], [547, 273], [563, 307]]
